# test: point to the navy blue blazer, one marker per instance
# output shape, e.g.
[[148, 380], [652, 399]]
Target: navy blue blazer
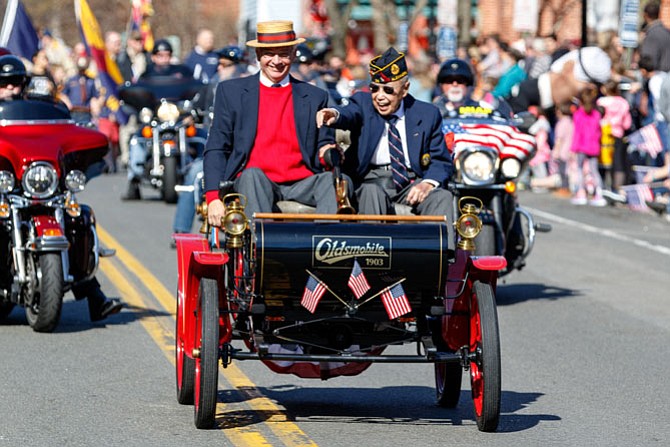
[[233, 130], [428, 154]]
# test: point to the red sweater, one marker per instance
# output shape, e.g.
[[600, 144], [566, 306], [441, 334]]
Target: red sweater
[[276, 149]]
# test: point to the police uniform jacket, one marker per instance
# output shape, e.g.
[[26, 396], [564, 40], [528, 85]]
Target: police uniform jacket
[[429, 158], [233, 130]]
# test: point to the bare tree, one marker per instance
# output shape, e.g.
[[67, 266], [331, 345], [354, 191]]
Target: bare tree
[[339, 21]]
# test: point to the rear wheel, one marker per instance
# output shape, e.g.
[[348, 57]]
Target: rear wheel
[[185, 365], [448, 384], [206, 365], [170, 178], [44, 313], [485, 357]]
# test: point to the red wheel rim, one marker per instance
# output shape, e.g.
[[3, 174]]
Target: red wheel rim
[[476, 376]]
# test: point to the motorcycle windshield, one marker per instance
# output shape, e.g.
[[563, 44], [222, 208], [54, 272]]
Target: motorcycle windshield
[[34, 130], [148, 92]]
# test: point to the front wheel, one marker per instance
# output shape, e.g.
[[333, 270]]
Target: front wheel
[[170, 177], [44, 313], [484, 348], [206, 363]]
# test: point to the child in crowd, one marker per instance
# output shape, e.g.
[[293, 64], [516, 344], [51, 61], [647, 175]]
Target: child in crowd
[[561, 154], [540, 161], [586, 145], [617, 116]]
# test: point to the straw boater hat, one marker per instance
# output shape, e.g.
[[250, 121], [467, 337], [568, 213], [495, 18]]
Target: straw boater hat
[[277, 33]]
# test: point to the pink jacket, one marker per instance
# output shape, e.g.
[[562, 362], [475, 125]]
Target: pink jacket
[[586, 136], [563, 138], [617, 114]]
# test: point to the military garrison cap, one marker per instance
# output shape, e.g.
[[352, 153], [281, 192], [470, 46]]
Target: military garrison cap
[[388, 67]]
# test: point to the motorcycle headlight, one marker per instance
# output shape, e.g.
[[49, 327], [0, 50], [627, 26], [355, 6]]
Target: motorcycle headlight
[[6, 182], [478, 166], [145, 115], [75, 181], [168, 112], [40, 180], [510, 168]]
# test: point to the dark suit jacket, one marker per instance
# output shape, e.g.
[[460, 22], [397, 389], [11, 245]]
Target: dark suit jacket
[[233, 131], [423, 127]]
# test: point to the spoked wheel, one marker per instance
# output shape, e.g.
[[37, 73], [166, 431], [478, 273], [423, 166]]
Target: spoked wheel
[[206, 363], [448, 384], [185, 365], [43, 314], [485, 364]]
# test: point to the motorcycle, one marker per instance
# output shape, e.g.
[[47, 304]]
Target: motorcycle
[[490, 153], [169, 133], [48, 240]]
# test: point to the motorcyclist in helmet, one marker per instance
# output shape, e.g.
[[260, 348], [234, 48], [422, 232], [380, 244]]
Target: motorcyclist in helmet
[[161, 56], [456, 81], [13, 77]]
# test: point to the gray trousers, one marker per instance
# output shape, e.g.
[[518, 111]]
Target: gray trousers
[[377, 195], [262, 193]]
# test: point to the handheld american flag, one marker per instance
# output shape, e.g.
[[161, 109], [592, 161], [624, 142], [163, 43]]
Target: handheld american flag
[[357, 281], [314, 290], [647, 140], [395, 301], [637, 195]]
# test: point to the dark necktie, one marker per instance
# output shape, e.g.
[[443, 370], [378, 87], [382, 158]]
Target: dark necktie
[[398, 167], [276, 85]]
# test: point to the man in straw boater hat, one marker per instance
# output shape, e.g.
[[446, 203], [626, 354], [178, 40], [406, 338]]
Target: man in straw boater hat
[[263, 136], [398, 153]]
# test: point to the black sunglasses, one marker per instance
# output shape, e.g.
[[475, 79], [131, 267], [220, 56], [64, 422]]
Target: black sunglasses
[[13, 80], [374, 88], [456, 79]]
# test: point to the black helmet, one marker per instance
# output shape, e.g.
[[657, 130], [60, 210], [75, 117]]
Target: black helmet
[[304, 54], [232, 53], [456, 68], [12, 70], [161, 45]]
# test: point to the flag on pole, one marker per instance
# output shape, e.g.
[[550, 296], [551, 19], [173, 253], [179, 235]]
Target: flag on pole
[[647, 140], [18, 34], [357, 281], [395, 301], [140, 13], [108, 72], [314, 290]]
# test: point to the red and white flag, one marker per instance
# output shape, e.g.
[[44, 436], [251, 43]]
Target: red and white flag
[[395, 301], [507, 140], [358, 283], [314, 290], [647, 140], [637, 195]]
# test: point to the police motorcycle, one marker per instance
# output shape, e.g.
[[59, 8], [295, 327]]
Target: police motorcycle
[[48, 240], [323, 295], [490, 151], [170, 116]]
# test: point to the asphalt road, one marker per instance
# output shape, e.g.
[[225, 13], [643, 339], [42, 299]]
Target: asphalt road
[[585, 330]]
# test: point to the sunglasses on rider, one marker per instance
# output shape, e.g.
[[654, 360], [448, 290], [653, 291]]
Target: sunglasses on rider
[[374, 88], [12, 80], [456, 79]]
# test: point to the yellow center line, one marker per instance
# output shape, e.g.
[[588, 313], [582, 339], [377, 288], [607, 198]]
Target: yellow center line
[[289, 433]]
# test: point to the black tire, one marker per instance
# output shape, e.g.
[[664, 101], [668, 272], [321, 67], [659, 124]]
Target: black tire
[[170, 179], [485, 242], [448, 378], [44, 314], [206, 367], [184, 367], [485, 374], [5, 310]]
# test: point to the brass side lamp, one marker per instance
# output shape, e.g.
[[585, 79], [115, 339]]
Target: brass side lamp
[[469, 224]]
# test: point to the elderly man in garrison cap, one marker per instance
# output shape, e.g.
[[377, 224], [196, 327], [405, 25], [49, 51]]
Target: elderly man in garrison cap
[[398, 153], [263, 135], [569, 75]]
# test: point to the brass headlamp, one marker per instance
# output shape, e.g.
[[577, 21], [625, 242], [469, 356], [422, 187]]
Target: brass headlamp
[[234, 222], [469, 224]]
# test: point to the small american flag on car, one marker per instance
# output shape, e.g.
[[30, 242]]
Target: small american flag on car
[[395, 301], [314, 290], [358, 283]]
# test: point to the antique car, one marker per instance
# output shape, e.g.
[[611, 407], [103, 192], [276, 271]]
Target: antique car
[[320, 295]]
